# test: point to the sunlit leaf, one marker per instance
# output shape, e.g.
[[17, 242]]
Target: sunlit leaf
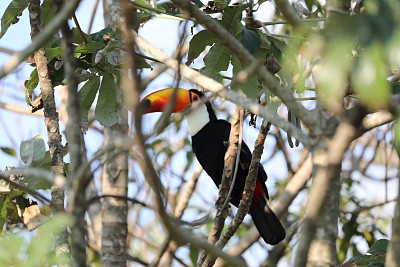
[[41, 244], [369, 78], [9, 151], [11, 14], [31, 84], [106, 108]]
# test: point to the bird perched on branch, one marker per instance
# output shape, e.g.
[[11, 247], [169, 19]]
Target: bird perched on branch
[[209, 141]]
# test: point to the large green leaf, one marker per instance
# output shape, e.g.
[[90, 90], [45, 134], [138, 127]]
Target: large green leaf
[[216, 60], [369, 77], [87, 95], [231, 19], [248, 87], [250, 39], [32, 150], [198, 44], [11, 15], [47, 12], [106, 107]]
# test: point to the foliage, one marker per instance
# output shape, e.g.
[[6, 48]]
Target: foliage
[[375, 256], [39, 251]]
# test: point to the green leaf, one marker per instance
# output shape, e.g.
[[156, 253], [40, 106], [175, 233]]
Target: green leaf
[[106, 107], [40, 246], [380, 246], [53, 52], [30, 85], [9, 150], [198, 44], [194, 255], [216, 60], [90, 47], [369, 77], [250, 39], [9, 211], [32, 150], [248, 87], [47, 12], [101, 35], [36, 183], [87, 95], [11, 15], [231, 19]]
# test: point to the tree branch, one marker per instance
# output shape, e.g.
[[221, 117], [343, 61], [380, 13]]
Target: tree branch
[[52, 124]]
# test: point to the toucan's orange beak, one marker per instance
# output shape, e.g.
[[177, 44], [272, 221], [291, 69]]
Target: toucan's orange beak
[[158, 101]]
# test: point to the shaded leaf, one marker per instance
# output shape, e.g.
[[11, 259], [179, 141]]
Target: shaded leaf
[[194, 255], [47, 12], [250, 39], [87, 95], [216, 60], [12, 14], [106, 108], [248, 87], [198, 44], [380, 246]]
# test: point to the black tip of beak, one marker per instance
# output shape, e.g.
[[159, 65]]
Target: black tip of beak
[[144, 106]]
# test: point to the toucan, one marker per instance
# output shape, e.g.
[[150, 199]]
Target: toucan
[[210, 137]]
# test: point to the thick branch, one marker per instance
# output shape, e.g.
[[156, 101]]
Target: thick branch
[[327, 160], [52, 124], [75, 148]]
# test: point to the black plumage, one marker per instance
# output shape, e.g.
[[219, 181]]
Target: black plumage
[[209, 146]]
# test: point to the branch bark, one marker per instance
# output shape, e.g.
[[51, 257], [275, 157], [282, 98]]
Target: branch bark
[[114, 211], [75, 147], [51, 121], [327, 159]]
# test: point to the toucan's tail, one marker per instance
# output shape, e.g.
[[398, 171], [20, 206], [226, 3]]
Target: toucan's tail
[[267, 224]]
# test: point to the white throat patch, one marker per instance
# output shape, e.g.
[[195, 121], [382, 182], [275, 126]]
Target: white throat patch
[[197, 119]]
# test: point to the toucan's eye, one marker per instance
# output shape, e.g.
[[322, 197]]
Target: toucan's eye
[[195, 98]]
